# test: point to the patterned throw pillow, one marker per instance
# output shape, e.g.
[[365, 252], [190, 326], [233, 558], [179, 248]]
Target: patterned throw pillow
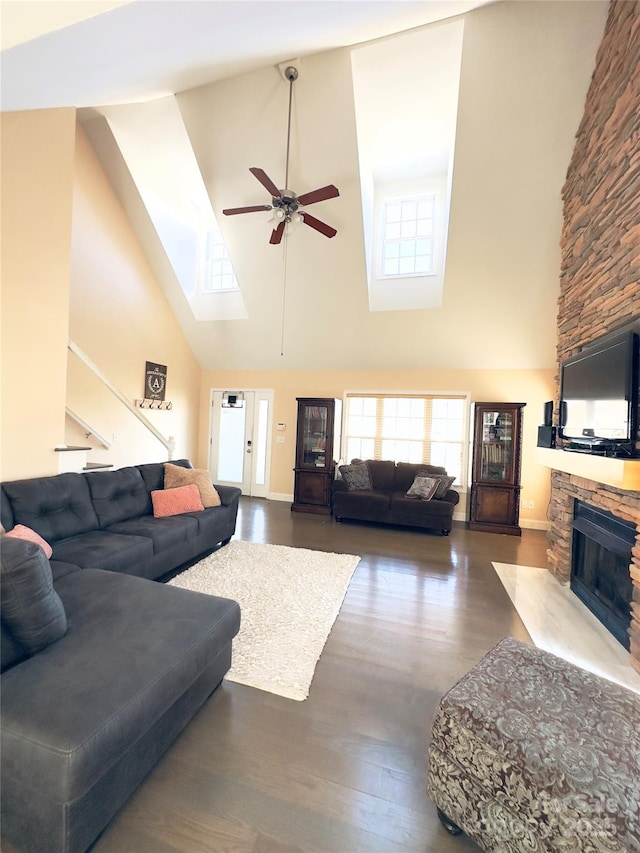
[[175, 501], [175, 475], [29, 535], [444, 484], [356, 476], [423, 488]]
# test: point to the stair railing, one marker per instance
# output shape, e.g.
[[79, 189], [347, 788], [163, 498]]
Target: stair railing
[[168, 443], [88, 430]]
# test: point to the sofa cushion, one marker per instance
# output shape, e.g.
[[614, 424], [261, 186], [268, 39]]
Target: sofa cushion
[[153, 474], [56, 507], [6, 513], [31, 609], [164, 532], [422, 488], [100, 549], [176, 475], [369, 504], [29, 535], [411, 509], [356, 476], [11, 652], [118, 495], [382, 473]]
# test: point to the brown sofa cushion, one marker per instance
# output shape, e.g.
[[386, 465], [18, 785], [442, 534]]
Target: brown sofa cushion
[[383, 474]]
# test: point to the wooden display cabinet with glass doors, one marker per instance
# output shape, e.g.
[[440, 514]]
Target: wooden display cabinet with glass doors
[[317, 452], [495, 469]]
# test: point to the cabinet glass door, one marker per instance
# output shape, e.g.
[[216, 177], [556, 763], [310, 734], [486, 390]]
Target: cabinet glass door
[[314, 436], [496, 460]]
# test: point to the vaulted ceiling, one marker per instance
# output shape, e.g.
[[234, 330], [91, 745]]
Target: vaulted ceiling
[[59, 53], [515, 131]]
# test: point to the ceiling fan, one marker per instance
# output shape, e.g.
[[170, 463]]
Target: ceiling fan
[[286, 205]]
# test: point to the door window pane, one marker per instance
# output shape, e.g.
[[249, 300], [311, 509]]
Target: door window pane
[[260, 444], [231, 449]]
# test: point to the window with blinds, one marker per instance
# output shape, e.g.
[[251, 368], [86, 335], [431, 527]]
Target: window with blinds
[[408, 428]]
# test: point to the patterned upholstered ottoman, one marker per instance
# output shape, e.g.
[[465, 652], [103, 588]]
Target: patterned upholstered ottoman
[[530, 753]]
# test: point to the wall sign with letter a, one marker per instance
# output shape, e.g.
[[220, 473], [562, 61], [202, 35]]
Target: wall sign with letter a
[[155, 381]]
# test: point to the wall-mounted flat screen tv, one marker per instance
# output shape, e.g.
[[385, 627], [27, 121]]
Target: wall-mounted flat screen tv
[[599, 395]]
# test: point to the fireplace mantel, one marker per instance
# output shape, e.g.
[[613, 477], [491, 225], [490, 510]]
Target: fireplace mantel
[[620, 473]]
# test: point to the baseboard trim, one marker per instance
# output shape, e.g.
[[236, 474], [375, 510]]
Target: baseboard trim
[[529, 523], [532, 524], [280, 496]]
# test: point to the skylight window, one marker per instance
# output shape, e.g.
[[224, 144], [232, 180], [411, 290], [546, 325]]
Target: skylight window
[[406, 161], [218, 273], [407, 237]]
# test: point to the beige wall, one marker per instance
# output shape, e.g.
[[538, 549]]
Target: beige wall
[[120, 318], [37, 180], [533, 387]]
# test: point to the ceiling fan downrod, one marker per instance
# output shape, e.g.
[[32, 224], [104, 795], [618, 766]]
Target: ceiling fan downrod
[[291, 75]]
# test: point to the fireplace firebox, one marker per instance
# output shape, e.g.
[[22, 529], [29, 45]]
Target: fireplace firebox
[[600, 559]]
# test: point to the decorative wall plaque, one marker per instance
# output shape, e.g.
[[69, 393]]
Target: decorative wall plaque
[[155, 381]]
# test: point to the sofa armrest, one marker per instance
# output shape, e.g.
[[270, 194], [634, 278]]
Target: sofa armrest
[[451, 497], [339, 486], [228, 494]]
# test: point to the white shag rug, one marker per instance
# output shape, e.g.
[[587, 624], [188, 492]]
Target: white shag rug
[[289, 599]]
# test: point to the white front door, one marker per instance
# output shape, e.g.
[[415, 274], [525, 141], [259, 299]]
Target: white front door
[[240, 440]]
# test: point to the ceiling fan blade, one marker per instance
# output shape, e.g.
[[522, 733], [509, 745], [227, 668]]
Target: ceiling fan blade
[[319, 195], [322, 227], [231, 211], [276, 234], [266, 181]]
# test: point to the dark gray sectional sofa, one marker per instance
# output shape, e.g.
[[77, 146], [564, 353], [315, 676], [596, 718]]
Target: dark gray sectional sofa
[[104, 519], [101, 667]]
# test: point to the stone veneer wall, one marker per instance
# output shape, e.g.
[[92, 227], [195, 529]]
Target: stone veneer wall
[[600, 274]]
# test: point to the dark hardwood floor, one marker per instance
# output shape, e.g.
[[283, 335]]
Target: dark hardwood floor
[[344, 770]]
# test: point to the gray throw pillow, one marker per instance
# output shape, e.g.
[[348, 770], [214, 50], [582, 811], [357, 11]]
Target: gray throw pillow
[[356, 476], [30, 608], [423, 488], [443, 486]]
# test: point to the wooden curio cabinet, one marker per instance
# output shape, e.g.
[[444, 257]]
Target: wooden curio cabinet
[[495, 468], [317, 451]]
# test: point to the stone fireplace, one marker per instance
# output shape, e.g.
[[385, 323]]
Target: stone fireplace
[[600, 272]]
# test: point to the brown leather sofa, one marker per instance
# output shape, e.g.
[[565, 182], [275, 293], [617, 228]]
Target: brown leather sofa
[[386, 501]]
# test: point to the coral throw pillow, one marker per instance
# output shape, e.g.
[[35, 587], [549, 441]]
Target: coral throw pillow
[[175, 475], [29, 535], [174, 501]]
